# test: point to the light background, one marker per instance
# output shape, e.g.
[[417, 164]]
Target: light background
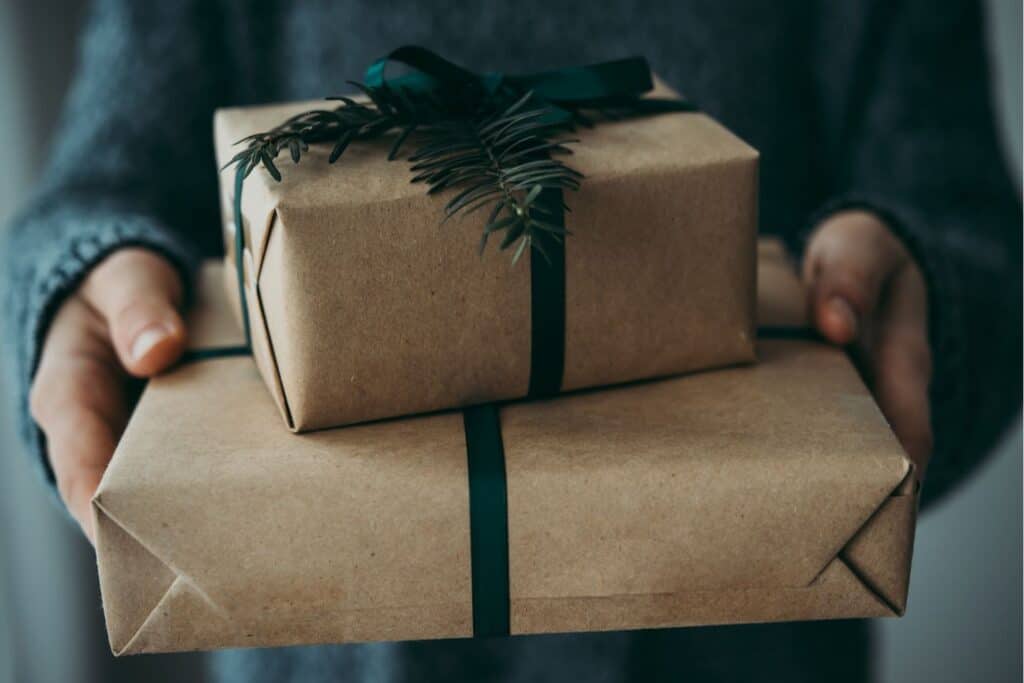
[[964, 619]]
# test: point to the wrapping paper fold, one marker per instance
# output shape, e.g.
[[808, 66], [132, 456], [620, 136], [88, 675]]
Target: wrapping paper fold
[[363, 306], [760, 493]]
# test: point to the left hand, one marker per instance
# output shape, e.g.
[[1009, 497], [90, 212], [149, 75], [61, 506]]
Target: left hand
[[866, 291]]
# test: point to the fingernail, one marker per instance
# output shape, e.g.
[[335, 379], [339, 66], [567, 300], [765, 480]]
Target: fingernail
[[844, 312], [147, 339]]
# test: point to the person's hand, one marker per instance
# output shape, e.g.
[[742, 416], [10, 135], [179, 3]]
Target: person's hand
[[867, 292], [122, 322]]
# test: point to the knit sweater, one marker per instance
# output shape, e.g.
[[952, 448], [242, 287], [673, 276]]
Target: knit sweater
[[883, 105]]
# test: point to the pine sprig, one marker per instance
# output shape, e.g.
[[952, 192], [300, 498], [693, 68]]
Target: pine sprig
[[502, 161], [350, 121], [493, 157]]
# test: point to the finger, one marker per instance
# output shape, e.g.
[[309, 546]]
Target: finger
[[138, 293], [848, 261], [901, 364], [81, 444], [78, 401], [902, 393]]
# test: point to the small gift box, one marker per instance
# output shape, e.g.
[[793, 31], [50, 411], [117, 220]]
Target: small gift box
[[362, 305], [759, 493]]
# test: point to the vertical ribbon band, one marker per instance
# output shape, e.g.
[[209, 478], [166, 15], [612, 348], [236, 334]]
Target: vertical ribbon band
[[488, 504], [547, 296], [488, 520], [239, 254], [547, 305], [488, 495]]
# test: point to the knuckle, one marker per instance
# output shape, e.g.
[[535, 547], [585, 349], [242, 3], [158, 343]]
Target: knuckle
[[892, 362], [926, 443], [854, 284], [851, 274], [49, 398], [904, 351], [135, 309], [79, 450], [918, 443], [141, 311], [53, 396], [40, 399], [73, 489], [849, 285]]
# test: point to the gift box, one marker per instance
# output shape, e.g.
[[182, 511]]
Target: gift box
[[759, 493], [363, 305]]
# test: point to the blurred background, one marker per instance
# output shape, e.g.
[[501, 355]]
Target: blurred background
[[964, 619]]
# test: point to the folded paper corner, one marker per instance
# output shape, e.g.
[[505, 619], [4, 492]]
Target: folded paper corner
[[133, 581], [264, 352], [879, 554]]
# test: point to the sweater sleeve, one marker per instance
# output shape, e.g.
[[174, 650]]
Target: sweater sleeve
[[907, 130], [131, 164]]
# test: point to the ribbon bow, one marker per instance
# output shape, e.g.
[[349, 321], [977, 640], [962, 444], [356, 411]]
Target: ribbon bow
[[615, 84]]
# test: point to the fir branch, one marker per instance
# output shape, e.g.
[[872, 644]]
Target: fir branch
[[502, 161], [351, 120], [501, 158]]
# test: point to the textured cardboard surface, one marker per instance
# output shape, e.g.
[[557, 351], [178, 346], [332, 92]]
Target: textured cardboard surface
[[759, 493], [364, 306]]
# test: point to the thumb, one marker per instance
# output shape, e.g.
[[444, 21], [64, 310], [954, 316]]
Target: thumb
[[848, 261], [138, 293]]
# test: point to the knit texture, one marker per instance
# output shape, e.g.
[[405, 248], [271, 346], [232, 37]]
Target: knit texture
[[882, 105]]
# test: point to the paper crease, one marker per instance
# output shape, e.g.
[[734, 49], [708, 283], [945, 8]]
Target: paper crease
[[179, 577]]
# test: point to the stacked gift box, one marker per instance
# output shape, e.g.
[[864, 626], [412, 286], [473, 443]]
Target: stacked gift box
[[640, 432]]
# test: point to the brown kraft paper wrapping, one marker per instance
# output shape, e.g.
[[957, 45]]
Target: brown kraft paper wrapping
[[363, 306], [760, 493]]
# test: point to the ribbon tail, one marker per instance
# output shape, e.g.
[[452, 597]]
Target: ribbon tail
[[240, 253]]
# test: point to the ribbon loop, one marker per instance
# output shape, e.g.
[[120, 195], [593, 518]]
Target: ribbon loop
[[614, 83], [429, 70], [585, 84]]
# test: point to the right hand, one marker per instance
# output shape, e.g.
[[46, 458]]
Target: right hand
[[122, 322]]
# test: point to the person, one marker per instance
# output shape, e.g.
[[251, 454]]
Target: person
[[880, 169]]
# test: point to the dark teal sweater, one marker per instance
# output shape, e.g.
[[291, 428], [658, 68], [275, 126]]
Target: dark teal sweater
[[883, 104]]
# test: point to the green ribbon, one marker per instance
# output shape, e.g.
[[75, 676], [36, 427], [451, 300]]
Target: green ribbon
[[239, 251], [789, 332], [488, 494], [615, 87], [607, 84], [488, 520], [213, 353]]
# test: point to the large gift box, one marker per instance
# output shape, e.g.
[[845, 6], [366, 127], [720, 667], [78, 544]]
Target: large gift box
[[760, 493], [364, 306]]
